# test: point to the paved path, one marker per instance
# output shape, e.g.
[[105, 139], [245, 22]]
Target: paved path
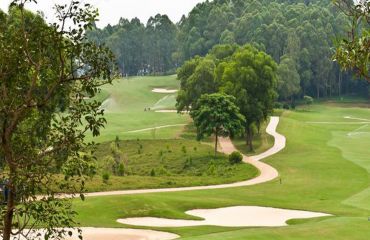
[[267, 173]]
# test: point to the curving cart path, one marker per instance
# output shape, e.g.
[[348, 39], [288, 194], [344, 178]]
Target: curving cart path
[[267, 173]]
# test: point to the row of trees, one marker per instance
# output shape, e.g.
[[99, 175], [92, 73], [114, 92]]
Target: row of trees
[[140, 49], [245, 73], [299, 34]]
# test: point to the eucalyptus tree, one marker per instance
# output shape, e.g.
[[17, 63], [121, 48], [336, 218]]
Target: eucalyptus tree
[[46, 72]]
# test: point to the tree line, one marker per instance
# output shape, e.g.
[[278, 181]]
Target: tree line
[[298, 34]]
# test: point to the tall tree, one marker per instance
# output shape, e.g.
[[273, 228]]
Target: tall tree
[[197, 77], [250, 76], [288, 79], [45, 73], [217, 115]]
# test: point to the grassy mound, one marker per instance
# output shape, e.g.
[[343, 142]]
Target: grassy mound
[[162, 164]]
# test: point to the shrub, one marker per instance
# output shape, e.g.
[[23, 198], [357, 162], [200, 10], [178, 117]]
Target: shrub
[[121, 169], [152, 173], [278, 105], [308, 100], [183, 149], [106, 177], [235, 158]]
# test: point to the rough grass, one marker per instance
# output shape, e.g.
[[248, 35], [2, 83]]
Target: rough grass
[[175, 163], [315, 174]]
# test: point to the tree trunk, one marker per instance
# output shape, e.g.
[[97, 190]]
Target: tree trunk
[[318, 92], [249, 139], [8, 217], [340, 84], [216, 143]]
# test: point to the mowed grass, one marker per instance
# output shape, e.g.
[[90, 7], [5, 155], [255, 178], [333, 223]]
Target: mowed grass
[[166, 164], [316, 176], [125, 102]]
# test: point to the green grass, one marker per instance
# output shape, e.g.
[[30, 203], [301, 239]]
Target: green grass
[[318, 174], [125, 102], [176, 163]]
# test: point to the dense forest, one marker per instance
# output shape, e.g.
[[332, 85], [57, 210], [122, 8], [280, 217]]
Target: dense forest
[[300, 36]]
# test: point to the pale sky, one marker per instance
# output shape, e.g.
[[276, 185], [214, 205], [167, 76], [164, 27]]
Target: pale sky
[[111, 10]]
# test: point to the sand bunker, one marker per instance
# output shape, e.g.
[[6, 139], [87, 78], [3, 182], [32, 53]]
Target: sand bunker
[[114, 234], [242, 216], [164, 90]]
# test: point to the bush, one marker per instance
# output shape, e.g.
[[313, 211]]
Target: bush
[[152, 173], [308, 100], [235, 158], [121, 169], [106, 177], [278, 105]]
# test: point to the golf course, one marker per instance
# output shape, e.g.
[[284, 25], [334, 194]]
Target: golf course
[[326, 160], [185, 120]]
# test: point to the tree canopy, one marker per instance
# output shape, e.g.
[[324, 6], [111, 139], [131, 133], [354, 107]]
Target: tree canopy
[[244, 72], [353, 51], [306, 30], [46, 71], [217, 114]]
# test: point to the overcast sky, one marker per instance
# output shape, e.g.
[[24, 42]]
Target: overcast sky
[[111, 10]]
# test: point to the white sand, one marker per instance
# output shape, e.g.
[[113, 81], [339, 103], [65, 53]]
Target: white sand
[[241, 216], [114, 234], [163, 90]]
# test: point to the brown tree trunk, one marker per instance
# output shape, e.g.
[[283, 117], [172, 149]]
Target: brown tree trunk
[[249, 138]]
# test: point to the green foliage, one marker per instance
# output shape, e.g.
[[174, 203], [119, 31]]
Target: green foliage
[[235, 158], [141, 50], [105, 177], [217, 114], [46, 73], [288, 78], [174, 166], [197, 77], [152, 173], [304, 30], [183, 149], [250, 76], [353, 52], [308, 100], [121, 169]]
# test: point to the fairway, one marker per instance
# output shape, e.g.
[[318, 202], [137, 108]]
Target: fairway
[[318, 173], [126, 103]]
